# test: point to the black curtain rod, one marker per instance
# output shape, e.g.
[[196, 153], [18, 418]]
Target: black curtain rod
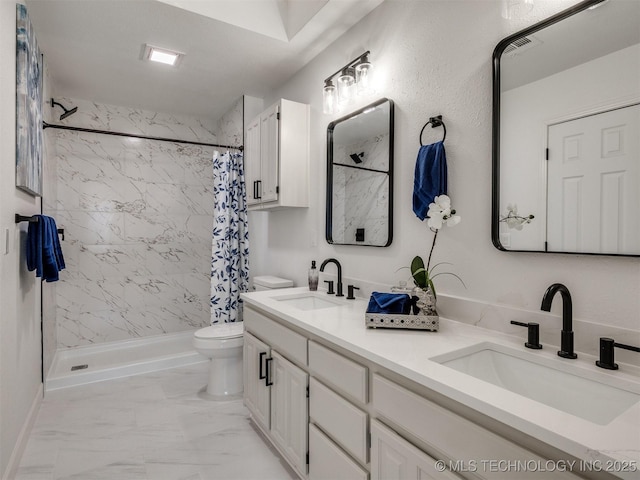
[[46, 125]]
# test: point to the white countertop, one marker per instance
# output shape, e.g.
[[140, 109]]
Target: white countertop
[[409, 354]]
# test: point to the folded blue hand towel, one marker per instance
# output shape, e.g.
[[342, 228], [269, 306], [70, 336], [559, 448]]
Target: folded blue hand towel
[[430, 177], [389, 303], [44, 253]]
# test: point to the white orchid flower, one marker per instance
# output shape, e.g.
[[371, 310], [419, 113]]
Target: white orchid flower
[[440, 211], [453, 220]]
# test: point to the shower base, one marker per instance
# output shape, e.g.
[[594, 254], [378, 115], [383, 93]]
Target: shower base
[[105, 361]]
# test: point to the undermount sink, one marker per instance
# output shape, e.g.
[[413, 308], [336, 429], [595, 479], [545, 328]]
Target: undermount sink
[[308, 301], [548, 381]]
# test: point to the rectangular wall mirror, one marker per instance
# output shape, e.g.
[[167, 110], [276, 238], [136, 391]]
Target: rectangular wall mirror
[[360, 177], [566, 131]]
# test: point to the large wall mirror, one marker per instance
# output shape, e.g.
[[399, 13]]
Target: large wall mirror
[[360, 177], [566, 133]]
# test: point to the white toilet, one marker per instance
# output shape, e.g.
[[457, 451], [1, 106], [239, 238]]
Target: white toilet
[[223, 342]]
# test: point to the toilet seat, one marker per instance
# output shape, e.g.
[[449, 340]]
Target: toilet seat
[[221, 331]]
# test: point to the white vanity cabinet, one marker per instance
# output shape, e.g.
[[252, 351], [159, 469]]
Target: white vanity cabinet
[[468, 446], [337, 413], [275, 389], [393, 458], [277, 157]]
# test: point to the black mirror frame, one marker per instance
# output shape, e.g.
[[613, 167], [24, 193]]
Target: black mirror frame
[[329, 190], [495, 149]]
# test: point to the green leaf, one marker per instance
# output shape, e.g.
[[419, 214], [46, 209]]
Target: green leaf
[[418, 272], [449, 273], [433, 288]]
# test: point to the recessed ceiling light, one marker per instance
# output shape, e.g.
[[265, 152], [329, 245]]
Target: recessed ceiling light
[[162, 55]]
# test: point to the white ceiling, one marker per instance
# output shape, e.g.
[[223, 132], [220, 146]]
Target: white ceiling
[[232, 47]]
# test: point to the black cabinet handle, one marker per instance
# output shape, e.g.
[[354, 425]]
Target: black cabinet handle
[[261, 375], [268, 381], [258, 189]]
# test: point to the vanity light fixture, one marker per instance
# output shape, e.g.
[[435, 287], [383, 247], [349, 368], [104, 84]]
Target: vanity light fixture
[[162, 55], [353, 78]]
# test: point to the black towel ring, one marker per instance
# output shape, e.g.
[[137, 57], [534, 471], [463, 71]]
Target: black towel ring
[[435, 122]]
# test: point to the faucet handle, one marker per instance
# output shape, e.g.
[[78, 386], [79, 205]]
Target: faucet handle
[[329, 287], [350, 289], [533, 334], [607, 355]]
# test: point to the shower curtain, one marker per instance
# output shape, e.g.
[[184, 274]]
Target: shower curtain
[[230, 244]]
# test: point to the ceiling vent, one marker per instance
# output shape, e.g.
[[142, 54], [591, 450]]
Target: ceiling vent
[[520, 45]]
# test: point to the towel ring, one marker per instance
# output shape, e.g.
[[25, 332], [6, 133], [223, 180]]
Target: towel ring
[[435, 122]]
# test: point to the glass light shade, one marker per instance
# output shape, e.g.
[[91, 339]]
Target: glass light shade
[[346, 86], [329, 98], [364, 79]]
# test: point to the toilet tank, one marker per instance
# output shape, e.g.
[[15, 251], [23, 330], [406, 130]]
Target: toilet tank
[[269, 282]]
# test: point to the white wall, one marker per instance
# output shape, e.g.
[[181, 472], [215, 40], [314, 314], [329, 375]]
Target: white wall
[[434, 57], [20, 376]]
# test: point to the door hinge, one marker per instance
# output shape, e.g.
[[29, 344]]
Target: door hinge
[[546, 154], [278, 116], [307, 391], [277, 189], [307, 458], [546, 246]]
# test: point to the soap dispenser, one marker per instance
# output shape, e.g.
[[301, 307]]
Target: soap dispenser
[[313, 277]]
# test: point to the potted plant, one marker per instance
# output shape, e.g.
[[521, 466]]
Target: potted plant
[[440, 213]]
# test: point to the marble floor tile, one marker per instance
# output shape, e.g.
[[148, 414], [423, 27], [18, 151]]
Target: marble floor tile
[[148, 427]]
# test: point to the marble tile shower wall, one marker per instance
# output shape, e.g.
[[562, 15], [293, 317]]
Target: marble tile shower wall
[[363, 191], [138, 218]]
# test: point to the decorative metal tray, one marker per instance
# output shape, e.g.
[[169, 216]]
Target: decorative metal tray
[[409, 322]]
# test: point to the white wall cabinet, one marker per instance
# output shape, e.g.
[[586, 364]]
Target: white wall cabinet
[[277, 157]]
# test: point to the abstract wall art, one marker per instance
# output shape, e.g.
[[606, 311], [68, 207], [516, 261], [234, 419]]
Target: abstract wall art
[[29, 87]]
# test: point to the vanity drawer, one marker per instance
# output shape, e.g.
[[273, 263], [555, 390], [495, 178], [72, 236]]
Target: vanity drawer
[[328, 462], [342, 373], [454, 437], [338, 418], [287, 342]]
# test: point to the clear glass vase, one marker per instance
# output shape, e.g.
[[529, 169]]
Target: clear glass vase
[[426, 303]]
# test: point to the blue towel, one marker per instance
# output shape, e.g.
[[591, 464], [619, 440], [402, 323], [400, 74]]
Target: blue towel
[[44, 254], [389, 303], [430, 177]]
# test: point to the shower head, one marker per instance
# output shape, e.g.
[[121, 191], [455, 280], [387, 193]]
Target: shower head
[[357, 157], [67, 112]]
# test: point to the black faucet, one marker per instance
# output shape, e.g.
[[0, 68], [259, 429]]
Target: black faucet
[[566, 336], [339, 286]]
